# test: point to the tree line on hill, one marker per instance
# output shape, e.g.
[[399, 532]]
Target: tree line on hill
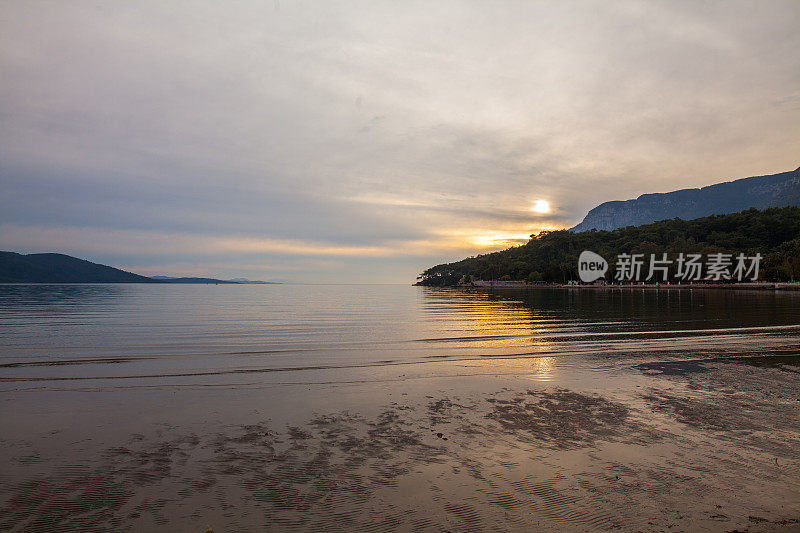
[[552, 256]]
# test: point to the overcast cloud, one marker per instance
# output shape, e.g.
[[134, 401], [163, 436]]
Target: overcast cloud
[[365, 141]]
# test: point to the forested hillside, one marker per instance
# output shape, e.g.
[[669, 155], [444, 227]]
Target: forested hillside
[[552, 256]]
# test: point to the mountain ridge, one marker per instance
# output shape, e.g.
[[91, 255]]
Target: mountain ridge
[[191, 279], [62, 268], [760, 192]]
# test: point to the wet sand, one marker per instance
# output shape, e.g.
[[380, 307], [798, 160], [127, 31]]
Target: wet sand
[[380, 408], [711, 444]]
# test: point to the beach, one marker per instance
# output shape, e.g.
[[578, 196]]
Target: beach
[[512, 413]]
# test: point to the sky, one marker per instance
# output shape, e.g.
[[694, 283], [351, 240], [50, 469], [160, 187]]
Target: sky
[[362, 142]]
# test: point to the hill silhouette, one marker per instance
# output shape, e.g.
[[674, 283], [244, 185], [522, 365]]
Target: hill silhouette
[[761, 192], [60, 268], [553, 256]]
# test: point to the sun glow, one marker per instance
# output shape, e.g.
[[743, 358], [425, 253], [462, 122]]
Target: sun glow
[[500, 239], [541, 206]]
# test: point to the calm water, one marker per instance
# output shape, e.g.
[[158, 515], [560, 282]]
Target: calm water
[[74, 335], [396, 408]]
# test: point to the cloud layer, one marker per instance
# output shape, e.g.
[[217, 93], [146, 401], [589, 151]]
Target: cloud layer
[[364, 141]]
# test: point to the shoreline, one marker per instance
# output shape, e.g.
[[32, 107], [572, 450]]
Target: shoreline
[[388, 408], [774, 286]]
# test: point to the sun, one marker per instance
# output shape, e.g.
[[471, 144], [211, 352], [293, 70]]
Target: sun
[[541, 206]]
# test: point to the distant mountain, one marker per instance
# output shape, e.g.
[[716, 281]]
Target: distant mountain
[[240, 281], [167, 279], [761, 192], [60, 268]]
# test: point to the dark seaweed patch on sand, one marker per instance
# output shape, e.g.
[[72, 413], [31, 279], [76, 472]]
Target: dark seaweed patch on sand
[[333, 470], [672, 368], [562, 419], [699, 413], [491, 462], [81, 498]]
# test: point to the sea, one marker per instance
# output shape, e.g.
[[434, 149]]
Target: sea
[[158, 407]]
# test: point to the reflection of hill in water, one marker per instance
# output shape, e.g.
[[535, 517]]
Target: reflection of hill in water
[[203, 334], [59, 298], [512, 311]]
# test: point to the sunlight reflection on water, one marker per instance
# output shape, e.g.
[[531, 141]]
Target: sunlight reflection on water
[[62, 333]]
